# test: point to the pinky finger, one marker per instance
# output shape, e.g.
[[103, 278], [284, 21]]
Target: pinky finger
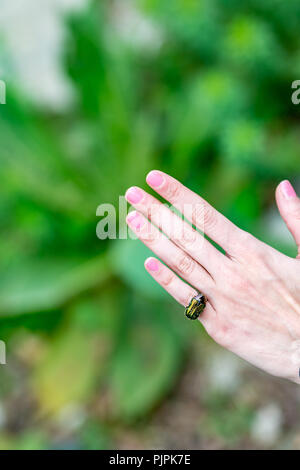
[[177, 288]]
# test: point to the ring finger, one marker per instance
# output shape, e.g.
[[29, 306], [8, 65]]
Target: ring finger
[[177, 288]]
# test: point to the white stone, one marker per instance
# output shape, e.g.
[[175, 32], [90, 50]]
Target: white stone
[[2, 416], [134, 27], [224, 371], [34, 33], [266, 427]]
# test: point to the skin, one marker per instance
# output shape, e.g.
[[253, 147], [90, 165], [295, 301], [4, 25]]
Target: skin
[[253, 290]]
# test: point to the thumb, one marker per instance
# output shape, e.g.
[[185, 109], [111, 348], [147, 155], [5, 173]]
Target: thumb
[[289, 207]]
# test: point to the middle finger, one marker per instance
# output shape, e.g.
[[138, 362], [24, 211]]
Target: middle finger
[[179, 231]]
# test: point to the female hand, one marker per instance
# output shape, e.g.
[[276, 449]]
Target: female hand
[[253, 291]]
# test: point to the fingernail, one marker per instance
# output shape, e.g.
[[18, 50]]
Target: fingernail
[[152, 264], [135, 220], [288, 190], [134, 195], [155, 179]]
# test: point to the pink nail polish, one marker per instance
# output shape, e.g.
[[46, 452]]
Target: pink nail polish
[[135, 220], [155, 179], [134, 195], [288, 190], [152, 264]]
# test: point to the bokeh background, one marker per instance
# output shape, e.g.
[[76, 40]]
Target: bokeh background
[[98, 94]]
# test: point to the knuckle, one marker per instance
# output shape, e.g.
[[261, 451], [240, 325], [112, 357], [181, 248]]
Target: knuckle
[[173, 191], [185, 264], [240, 284], [249, 247], [167, 280], [197, 214], [246, 239], [153, 211], [185, 238], [236, 280], [295, 213], [150, 236], [203, 216], [261, 257], [185, 244], [209, 218], [222, 335], [243, 285], [185, 299]]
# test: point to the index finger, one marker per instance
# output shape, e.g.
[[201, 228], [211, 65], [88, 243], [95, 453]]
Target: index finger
[[199, 212]]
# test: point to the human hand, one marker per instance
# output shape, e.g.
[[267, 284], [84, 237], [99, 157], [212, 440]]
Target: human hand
[[253, 290]]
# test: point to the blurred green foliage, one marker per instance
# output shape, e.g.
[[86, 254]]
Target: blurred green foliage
[[226, 419], [211, 105]]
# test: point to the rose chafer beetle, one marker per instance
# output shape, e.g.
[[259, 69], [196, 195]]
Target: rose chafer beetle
[[195, 307]]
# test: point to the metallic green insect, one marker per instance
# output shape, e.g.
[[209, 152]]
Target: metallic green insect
[[195, 307]]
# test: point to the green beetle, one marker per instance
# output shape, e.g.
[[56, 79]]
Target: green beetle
[[195, 307]]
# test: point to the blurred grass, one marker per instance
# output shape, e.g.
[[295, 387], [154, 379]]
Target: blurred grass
[[211, 105]]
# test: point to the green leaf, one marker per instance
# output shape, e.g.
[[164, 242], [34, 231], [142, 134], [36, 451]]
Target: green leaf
[[194, 22], [243, 142], [67, 373], [76, 357], [210, 99], [251, 45], [146, 365], [46, 284], [30, 440]]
